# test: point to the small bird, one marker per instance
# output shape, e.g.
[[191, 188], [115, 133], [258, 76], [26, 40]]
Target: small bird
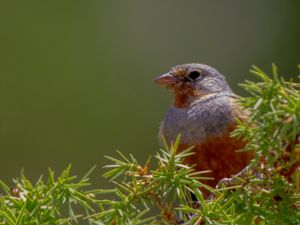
[[204, 112]]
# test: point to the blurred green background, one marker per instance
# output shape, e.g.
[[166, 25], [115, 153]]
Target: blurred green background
[[76, 76]]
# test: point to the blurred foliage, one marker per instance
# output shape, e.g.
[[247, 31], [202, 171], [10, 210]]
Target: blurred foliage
[[76, 76], [266, 192]]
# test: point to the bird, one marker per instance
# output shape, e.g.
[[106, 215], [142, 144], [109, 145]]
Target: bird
[[204, 112]]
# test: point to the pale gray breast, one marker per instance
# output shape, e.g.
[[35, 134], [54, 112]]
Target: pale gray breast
[[205, 117]]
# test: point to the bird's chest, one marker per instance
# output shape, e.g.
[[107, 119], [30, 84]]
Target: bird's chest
[[198, 122]]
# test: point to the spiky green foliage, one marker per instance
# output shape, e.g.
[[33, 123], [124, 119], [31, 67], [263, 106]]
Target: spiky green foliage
[[266, 192], [44, 202], [139, 192]]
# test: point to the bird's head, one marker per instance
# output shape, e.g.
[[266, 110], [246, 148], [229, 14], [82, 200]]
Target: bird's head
[[189, 82]]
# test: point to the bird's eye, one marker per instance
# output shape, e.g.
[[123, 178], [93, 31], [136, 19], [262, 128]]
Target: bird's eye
[[194, 74]]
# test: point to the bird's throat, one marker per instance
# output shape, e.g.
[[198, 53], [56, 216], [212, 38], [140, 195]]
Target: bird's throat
[[181, 101], [184, 98]]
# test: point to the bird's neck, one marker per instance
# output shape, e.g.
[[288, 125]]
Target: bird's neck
[[185, 100]]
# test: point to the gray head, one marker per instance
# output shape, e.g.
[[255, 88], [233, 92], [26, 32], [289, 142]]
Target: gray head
[[193, 81]]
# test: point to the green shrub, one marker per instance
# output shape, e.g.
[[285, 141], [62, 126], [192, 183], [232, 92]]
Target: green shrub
[[266, 192]]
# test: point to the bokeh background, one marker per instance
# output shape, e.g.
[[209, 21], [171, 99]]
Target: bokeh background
[[76, 76]]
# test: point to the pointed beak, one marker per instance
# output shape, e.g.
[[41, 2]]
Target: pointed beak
[[165, 79]]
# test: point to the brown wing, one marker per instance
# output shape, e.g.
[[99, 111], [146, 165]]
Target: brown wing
[[238, 111]]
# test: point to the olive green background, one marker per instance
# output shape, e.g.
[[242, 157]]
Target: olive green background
[[76, 76]]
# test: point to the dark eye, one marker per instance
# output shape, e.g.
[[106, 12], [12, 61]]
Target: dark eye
[[194, 74]]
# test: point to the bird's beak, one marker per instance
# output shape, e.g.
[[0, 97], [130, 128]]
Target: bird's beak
[[165, 79]]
